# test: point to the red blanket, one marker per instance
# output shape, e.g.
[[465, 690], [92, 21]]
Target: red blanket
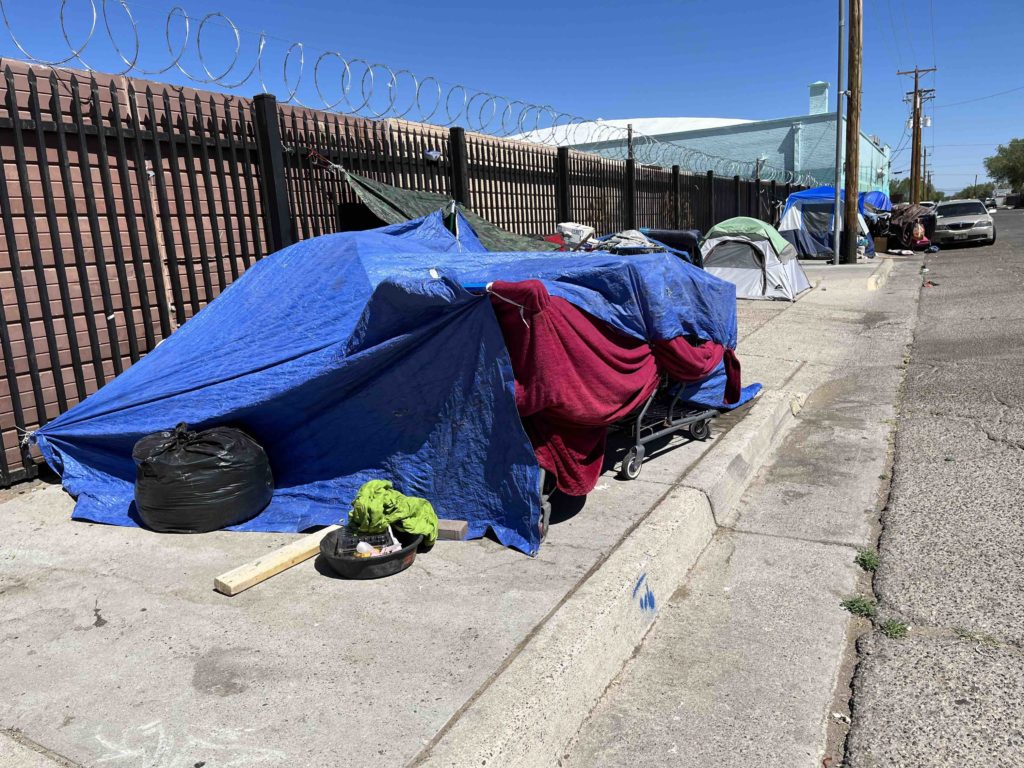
[[576, 375]]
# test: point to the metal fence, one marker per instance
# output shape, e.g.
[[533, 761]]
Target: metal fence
[[126, 207]]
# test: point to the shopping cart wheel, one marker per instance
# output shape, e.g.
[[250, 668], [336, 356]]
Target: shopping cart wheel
[[701, 430], [632, 463]]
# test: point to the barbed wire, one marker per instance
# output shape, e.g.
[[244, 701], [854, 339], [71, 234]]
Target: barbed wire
[[350, 85]]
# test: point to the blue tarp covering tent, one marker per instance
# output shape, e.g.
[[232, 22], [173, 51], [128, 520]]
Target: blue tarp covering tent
[[366, 355], [874, 201], [807, 221]]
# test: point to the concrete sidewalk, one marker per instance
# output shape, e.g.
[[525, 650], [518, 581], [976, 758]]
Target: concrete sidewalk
[[753, 655], [120, 653]]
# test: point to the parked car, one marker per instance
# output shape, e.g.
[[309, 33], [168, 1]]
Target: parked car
[[963, 221], [990, 203], [927, 204]]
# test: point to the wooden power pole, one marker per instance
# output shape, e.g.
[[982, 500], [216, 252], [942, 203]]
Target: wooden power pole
[[853, 102], [918, 97]]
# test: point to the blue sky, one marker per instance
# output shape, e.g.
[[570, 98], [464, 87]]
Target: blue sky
[[729, 58]]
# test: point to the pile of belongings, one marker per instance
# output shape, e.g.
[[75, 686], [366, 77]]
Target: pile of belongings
[[381, 354], [911, 227]]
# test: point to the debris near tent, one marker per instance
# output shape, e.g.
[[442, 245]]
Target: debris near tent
[[291, 554]]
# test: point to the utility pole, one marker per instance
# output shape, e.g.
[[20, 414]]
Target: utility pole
[[836, 219], [924, 170], [853, 101], [918, 97]]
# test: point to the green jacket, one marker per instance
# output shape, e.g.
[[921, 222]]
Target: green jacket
[[378, 505]]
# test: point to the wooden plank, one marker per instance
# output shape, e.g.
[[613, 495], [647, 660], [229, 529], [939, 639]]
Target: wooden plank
[[262, 568], [271, 564]]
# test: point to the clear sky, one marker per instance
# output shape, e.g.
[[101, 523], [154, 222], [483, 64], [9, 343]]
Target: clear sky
[[613, 59]]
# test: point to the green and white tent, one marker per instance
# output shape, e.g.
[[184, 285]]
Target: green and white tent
[[753, 256]]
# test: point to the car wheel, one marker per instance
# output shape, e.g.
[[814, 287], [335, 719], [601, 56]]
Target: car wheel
[[993, 240]]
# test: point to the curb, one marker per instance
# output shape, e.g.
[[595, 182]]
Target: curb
[[880, 276], [530, 711]]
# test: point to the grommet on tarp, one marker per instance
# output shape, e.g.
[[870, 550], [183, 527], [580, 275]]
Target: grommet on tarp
[[522, 309]]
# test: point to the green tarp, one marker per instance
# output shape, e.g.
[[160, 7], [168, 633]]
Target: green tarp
[[746, 226], [393, 206]]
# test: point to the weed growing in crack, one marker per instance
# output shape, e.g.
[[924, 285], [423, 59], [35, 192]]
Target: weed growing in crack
[[868, 559], [977, 637], [893, 628], [861, 606]]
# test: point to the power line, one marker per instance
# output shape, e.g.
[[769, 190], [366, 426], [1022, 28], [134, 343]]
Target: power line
[[895, 37], [980, 98], [910, 32]]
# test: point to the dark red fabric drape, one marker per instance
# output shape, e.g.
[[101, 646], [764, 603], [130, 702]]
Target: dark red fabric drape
[[576, 375]]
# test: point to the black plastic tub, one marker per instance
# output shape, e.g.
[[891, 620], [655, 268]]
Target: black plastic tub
[[350, 567]]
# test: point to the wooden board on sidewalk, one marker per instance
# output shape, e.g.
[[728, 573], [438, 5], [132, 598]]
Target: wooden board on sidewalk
[[270, 564], [262, 568]]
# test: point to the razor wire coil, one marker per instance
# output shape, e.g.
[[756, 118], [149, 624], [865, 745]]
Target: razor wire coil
[[358, 86]]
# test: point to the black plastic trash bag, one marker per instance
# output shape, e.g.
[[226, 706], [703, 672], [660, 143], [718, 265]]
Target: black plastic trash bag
[[194, 482]]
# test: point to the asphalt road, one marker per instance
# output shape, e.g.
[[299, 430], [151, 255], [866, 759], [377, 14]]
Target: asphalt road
[[952, 545]]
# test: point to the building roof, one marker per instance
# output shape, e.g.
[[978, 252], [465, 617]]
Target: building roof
[[607, 130]]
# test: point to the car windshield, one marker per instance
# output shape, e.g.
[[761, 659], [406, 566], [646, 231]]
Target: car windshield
[[961, 209]]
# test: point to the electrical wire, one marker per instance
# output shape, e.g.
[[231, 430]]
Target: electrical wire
[[980, 98]]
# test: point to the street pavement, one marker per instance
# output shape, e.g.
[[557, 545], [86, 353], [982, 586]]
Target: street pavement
[[952, 546], [749, 663]]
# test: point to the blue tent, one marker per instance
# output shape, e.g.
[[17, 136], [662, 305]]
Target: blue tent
[[874, 201], [365, 355], [807, 221]]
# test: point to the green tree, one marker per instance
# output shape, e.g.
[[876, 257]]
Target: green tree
[[899, 191], [977, 191], [1007, 164]]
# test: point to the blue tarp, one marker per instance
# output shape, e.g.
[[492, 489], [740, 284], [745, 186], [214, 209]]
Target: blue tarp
[[876, 199], [822, 195], [366, 355]]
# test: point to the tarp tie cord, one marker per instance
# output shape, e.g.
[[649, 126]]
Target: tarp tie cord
[[522, 309], [28, 438]]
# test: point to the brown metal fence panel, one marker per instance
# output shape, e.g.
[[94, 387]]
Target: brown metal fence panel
[[655, 204], [694, 202], [597, 187], [122, 214], [512, 183]]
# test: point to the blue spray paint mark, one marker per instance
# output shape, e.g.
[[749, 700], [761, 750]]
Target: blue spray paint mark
[[647, 602], [639, 583]]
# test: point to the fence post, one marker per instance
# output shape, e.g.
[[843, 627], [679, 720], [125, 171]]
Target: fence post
[[563, 194], [712, 219], [459, 165], [630, 195], [272, 180], [677, 201], [757, 196], [736, 194]]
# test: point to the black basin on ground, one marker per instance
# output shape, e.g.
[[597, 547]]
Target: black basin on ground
[[367, 567]]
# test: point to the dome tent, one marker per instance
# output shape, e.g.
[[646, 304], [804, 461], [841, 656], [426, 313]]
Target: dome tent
[[753, 256], [807, 222]]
